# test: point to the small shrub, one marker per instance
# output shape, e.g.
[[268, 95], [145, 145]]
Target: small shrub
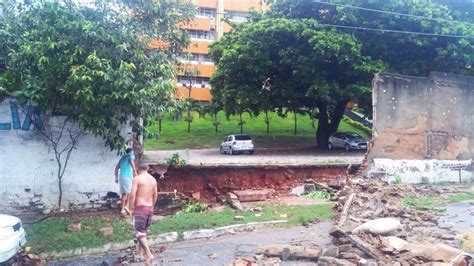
[[197, 206], [319, 194], [398, 180], [175, 159]]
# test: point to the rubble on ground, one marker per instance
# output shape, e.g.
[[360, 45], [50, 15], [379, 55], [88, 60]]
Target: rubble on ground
[[372, 226], [365, 207]]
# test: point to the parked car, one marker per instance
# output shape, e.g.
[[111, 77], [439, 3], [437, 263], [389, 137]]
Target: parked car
[[347, 140], [12, 236], [237, 143]]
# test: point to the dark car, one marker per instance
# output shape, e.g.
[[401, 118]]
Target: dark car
[[347, 140]]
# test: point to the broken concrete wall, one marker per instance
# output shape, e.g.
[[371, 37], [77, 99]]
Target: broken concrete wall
[[422, 119], [28, 169]]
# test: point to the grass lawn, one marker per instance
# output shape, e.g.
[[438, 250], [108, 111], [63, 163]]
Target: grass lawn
[[52, 234], [174, 134], [436, 203]]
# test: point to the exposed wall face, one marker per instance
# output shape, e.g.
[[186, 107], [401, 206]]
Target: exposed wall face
[[28, 169], [422, 119]]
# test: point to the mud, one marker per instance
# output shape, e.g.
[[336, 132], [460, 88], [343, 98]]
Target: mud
[[213, 182]]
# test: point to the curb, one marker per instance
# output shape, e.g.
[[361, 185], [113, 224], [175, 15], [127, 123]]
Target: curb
[[162, 239]]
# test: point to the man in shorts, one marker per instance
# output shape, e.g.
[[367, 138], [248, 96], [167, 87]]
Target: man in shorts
[[142, 202], [124, 173]]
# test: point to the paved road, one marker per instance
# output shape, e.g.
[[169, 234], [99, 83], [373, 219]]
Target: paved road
[[261, 157], [226, 247]]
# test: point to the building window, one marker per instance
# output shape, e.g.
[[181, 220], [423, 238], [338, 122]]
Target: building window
[[236, 15], [201, 34], [193, 80], [206, 12], [196, 57]]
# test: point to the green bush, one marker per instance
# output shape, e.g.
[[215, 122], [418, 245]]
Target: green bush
[[319, 194], [197, 206], [175, 159]]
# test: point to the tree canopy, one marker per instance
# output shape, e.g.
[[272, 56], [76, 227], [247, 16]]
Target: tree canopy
[[92, 63], [310, 63], [304, 67], [410, 54]]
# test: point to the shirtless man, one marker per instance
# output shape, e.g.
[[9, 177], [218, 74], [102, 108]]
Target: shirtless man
[[142, 201]]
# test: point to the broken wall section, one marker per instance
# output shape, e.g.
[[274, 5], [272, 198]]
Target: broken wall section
[[423, 127]]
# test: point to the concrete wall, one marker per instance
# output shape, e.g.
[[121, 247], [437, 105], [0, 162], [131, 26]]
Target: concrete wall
[[423, 119], [28, 166]]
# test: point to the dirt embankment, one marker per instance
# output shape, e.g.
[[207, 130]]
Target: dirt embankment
[[214, 181]]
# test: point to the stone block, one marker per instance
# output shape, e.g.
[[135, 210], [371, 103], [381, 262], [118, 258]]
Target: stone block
[[196, 234], [253, 195], [196, 195], [230, 229], [167, 237]]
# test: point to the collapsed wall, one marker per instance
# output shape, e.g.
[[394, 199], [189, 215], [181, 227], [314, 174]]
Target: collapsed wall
[[423, 128], [28, 169]]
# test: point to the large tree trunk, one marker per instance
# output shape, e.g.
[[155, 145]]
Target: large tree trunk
[[325, 129], [215, 121], [189, 119], [322, 133], [241, 124], [337, 117], [296, 122]]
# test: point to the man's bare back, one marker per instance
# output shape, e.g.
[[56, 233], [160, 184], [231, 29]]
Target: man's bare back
[[142, 202], [146, 190]]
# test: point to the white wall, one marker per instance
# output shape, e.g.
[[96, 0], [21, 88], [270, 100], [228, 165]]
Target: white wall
[[421, 171], [28, 170]]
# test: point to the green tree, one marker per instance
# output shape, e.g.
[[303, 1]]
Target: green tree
[[309, 67], [92, 64], [410, 54]]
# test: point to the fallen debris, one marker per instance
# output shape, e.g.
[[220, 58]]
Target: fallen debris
[[234, 202], [106, 231], [74, 227], [293, 252], [254, 194], [381, 226], [213, 256], [368, 210]]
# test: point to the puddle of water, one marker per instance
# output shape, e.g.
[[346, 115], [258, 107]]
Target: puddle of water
[[459, 215]]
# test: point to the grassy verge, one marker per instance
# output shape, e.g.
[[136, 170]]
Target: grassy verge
[[52, 234], [437, 203], [174, 134]]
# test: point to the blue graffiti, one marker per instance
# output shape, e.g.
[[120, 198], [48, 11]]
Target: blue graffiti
[[32, 117]]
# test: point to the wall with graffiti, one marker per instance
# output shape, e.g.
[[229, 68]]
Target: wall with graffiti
[[28, 169]]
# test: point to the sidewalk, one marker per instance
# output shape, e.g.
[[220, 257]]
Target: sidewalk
[[225, 248]]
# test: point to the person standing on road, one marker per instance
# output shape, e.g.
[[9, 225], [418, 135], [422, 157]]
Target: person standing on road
[[142, 204], [124, 173]]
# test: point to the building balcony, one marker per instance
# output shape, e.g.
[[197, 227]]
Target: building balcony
[[197, 93], [242, 5], [203, 70], [206, 3], [199, 23]]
